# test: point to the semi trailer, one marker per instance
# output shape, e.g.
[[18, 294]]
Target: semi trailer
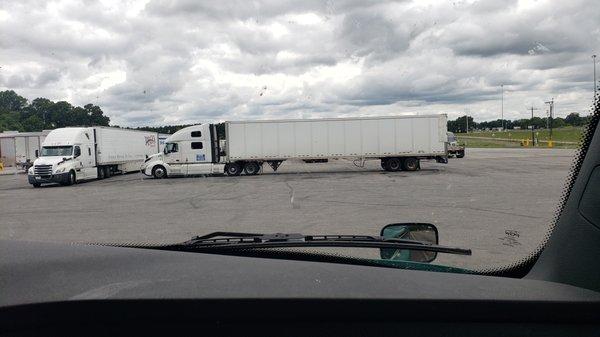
[[236, 147], [70, 155]]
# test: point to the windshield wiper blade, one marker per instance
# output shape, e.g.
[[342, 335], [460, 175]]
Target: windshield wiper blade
[[235, 240]]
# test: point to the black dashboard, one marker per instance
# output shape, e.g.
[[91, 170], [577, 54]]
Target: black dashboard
[[71, 289]]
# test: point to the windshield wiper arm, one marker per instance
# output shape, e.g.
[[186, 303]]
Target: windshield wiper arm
[[234, 240]]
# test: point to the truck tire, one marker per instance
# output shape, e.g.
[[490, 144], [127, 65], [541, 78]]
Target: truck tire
[[36, 185], [101, 173], [411, 164], [252, 168], [72, 179], [384, 163], [393, 164], [460, 154], [159, 172], [233, 169]]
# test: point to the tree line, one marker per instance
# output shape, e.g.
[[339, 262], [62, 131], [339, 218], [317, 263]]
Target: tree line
[[18, 114], [572, 119]]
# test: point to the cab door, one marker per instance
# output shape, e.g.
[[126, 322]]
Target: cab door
[[173, 158]]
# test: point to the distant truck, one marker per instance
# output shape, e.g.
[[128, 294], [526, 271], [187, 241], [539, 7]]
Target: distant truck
[[70, 155], [454, 148], [398, 142]]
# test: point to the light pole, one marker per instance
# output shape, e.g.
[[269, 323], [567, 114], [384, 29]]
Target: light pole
[[502, 111], [550, 115]]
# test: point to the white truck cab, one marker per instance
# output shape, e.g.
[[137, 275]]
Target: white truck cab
[[188, 151], [67, 156]]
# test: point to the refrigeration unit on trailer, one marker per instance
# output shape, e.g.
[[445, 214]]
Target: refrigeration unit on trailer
[[398, 142], [69, 155]]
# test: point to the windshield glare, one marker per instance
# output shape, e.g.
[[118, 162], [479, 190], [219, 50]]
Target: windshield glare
[[56, 151]]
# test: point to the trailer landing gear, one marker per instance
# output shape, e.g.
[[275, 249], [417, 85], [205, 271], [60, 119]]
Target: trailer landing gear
[[274, 164]]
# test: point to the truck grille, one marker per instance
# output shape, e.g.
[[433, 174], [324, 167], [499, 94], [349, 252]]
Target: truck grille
[[42, 170]]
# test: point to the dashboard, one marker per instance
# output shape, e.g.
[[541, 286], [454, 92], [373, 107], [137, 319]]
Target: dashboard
[[93, 290]]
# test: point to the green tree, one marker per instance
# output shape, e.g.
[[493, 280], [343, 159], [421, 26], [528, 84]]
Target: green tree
[[10, 101], [96, 116], [33, 123], [9, 120], [574, 119]]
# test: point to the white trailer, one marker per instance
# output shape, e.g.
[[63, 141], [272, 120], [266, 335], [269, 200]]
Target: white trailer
[[19, 149], [69, 155], [399, 142]]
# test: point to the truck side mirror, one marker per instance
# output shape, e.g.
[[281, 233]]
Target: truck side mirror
[[77, 152], [37, 153], [421, 232]]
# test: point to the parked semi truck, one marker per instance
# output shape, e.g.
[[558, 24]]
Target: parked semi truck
[[398, 142], [70, 155]]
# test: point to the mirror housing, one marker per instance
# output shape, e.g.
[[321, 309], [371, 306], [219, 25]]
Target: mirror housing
[[421, 232], [37, 153], [76, 152]]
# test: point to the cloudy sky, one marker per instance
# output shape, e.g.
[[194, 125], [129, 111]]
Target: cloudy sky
[[169, 62]]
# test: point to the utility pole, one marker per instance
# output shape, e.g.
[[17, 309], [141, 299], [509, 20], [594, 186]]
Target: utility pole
[[550, 115], [502, 111], [467, 118], [532, 135]]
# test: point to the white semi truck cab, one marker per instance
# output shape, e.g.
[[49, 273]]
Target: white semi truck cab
[[66, 156], [399, 142], [189, 151]]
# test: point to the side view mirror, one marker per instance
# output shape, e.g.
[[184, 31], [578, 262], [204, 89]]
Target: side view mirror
[[420, 232], [77, 152], [37, 153], [165, 150]]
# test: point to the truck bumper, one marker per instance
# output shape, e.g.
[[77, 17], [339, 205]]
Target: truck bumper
[[61, 178]]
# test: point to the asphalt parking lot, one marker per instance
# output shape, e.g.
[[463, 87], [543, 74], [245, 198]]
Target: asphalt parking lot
[[473, 201]]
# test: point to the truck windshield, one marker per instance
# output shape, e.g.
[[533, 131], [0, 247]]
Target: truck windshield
[[48, 151]]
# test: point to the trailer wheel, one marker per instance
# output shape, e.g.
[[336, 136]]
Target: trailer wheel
[[101, 173], [394, 164], [411, 164], [107, 172], [384, 163], [233, 169], [252, 168], [159, 172], [460, 154]]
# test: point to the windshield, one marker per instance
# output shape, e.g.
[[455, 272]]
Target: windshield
[[324, 117], [48, 151]]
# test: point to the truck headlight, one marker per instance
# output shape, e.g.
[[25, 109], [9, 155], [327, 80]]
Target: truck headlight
[[60, 170], [30, 171]]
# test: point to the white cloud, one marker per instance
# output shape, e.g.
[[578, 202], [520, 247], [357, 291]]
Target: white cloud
[[162, 61]]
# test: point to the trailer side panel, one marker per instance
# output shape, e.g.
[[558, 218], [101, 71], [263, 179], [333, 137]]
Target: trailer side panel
[[331, 138]]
